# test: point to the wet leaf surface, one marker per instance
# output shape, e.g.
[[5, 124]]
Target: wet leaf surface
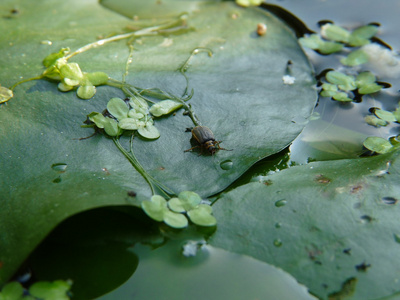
[[238, 93], [325, 223]]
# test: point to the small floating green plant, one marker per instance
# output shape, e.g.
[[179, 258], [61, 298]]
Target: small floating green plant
[[42, 290], [176, 211]]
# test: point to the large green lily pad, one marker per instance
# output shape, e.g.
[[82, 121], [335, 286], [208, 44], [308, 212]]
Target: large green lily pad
[[238, 93], [333, 225]]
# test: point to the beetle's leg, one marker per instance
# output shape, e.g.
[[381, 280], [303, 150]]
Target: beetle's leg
[[191, 149], [220, 148]]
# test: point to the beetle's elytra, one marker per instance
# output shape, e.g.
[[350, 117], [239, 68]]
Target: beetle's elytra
[[206, 140]]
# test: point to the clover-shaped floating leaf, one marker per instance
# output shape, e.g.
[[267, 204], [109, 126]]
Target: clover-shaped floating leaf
[[201, 215], [111, 127], [98, 119], [149, 131], [12, 290], [175, 220], [329, 90], [355, 58], [86, 92], [5, 94], [385, 115], [71, 74], [118, 108], [342, 96], [128, 124], [139, 105], [374, 121], [361, 36], [343, 81], [164, 107], [396, 114], [157, 209], [315, 42], [51, 290], [186, 201], [366, 84], [52, 58], [335, 33], [378, 144]]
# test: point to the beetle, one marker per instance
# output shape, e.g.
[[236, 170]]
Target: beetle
[[206, 140]]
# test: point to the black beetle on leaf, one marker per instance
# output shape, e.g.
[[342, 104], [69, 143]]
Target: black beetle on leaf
[[206, 140]]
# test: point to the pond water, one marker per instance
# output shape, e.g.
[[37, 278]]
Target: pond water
[[156, 271]]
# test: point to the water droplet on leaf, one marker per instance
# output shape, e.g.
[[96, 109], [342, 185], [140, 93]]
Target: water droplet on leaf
[[280, 203], [226, 165], [389, 200], [277, 243], [59, 167]]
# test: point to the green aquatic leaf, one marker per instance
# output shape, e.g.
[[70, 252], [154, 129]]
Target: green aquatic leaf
[[52, 58], [155, 208], [343, 81], [342, 96], [149, 131], [118, 108], [164, 107], [202, 215], [324, 223], [111, 127], [315, 42], [335, 33], [374, 121], [355, 58], [241, 82], [72, 72], [175, 220], [385, 115], [12, 291], [97, 78], [361, 36], [51, 290], [98, 119], [86, 92], [128, 124], [378, 144]]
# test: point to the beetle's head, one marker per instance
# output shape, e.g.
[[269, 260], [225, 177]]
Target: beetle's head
[[211, 147]]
